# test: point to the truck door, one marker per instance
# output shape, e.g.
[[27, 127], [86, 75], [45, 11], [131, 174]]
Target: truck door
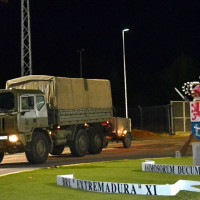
[[27, 118], [41, 111]]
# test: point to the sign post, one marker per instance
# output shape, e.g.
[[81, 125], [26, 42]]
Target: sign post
[[195, 125]]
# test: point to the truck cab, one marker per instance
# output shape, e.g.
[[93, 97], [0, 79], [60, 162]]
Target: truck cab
[[21, 111]]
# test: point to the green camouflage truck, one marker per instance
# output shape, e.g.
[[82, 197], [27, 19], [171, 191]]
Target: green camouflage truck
[[43, 114]]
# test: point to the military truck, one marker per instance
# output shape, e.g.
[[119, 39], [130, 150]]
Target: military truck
[[43, 114]]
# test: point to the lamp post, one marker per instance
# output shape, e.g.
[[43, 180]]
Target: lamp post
[[81, 66], [125, 85]]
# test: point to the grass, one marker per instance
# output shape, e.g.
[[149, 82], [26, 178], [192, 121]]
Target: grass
[[41, 184]]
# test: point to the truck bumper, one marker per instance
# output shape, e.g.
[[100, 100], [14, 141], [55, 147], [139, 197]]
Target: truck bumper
[[7, 145]]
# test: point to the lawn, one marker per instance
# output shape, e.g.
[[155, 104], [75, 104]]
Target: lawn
[[41, 184]]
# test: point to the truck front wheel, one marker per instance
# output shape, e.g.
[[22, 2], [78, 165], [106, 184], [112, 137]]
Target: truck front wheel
[[79, 146], [1, 156], [39, 149], [127, 140]]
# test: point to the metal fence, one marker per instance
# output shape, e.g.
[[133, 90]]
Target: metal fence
[[180, 116], [172, 118], [155, 118]]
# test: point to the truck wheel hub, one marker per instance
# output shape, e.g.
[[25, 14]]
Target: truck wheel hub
[[40, 147], [82, 142], [97, 141]]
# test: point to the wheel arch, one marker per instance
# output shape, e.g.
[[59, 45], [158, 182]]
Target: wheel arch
[[97, 125]]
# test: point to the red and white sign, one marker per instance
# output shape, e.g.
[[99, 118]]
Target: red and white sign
[[195, 111]]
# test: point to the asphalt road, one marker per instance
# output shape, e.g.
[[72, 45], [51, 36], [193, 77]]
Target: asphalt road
[[140, 148]]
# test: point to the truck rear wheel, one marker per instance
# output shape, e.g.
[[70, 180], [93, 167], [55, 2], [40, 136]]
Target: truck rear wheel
[[39, 149], [57, 150], [1, 156], [79, 146], [95, 140], [127, 140]]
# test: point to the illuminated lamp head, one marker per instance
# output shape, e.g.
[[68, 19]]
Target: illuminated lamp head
[[196, 91]]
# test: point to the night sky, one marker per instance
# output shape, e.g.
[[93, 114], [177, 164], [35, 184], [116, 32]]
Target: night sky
[[162, 45]]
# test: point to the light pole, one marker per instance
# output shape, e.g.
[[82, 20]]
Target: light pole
[[81, 66], [125, 85]]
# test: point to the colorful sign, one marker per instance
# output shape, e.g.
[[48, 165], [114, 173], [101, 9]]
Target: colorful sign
[[127, 188], [195, 118]]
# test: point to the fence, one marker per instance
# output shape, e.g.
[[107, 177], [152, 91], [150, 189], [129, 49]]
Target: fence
[[172, 118], [180, 116], [155, 118]]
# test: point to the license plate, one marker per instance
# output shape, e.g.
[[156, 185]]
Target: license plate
[[3, 137]]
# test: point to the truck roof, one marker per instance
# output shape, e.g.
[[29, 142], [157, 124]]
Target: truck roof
[[22, 79], [22, 91], [32, 78]]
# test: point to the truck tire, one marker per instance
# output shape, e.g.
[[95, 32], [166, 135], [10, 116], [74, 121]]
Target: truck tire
[[57, 150], [95, 141], [79, 146], [127, 140], [39, 149], [1, 156]]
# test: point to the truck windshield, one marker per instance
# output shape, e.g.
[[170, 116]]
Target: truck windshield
[[6, 101]]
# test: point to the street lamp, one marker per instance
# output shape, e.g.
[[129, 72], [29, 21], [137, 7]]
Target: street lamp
[[125, 85], [81, 66]]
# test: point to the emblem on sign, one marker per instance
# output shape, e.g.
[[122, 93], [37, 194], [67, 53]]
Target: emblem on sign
[[194, 111]]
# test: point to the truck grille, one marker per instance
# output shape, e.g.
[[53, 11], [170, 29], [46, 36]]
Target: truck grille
[[7, 124], [1, 124]]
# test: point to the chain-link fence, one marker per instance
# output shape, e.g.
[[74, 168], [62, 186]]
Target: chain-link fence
[[172, 118]]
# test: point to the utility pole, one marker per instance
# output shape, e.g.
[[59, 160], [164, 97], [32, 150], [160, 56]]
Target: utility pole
[[26, 55], [81, 64]]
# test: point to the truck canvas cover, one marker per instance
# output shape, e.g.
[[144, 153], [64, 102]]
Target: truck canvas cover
[[68, 93]]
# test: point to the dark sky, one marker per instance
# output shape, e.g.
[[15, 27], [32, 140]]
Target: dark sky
[[160, 32]]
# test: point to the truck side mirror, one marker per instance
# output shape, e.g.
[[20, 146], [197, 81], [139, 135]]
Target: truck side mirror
[[22, 113], [31, 102]]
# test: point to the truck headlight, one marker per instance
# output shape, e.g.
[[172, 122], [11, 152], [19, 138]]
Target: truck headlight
[[125, 132], [13, 138]]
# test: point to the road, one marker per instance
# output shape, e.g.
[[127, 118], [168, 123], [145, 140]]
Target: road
[[140, 148]]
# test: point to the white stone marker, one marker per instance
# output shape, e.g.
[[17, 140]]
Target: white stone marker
[[196, 153], [128, 188]]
